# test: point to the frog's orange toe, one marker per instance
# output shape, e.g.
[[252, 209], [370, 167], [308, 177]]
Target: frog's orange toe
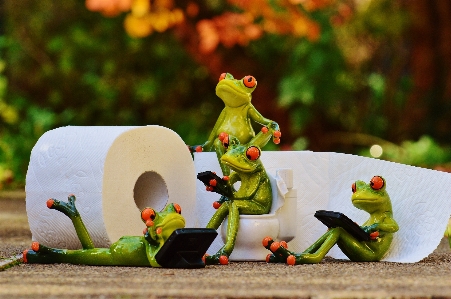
[[266, 241], [291, 260], [35, 246], [274, 246], [24, 256], [50, 203], [268, 257], [204, 258], [284, 244], [223, 260]]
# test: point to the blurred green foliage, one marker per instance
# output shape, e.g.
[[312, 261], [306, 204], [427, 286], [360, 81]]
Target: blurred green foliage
[[424, 152], [64, 65]]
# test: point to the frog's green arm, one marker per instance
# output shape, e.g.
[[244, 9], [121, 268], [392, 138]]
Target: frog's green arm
[[251, 188], [233, 178], [257, 117], [388, 224], [385, 225], [151, 252], [207, 146]]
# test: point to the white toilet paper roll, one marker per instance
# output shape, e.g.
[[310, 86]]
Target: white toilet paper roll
[[114, 172]]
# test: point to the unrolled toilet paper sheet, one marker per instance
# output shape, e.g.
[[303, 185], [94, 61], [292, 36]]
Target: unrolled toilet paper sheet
[[421, 198], [114, 172]]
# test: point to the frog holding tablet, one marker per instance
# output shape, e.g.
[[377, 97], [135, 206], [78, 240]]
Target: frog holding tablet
[[153, 248], [380, 227]]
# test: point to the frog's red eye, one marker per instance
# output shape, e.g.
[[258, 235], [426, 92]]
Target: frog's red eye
[[353, 188], [249, 81], [148, 214], [177, 208], [253, 153], [377, 183], [222, 77]]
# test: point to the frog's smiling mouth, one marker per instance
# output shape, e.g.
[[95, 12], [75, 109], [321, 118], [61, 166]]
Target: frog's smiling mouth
[[232, 94], [173, 222], [366, 201], [235, 167], [224, 85]]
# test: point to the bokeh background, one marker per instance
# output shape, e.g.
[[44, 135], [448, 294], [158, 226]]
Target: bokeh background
[[366, 77]]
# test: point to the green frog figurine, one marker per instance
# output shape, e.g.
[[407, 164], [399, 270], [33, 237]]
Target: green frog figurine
[[372, 198], [448, 232], [254, 196], [127, 251], [235, 119]]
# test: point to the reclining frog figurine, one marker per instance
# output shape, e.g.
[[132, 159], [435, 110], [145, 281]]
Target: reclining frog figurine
[[127, 251], [235, 119], [254, 197], [372, 198]]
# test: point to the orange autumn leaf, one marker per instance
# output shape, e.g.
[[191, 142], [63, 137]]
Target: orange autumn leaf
[[137, 26], [109, 8]]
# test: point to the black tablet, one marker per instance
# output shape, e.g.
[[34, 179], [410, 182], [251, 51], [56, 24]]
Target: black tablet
[[221, 185], [337, 219], [185, 248]]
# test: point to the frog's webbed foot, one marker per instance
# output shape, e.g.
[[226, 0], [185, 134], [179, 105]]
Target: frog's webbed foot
[[70, 210], [67, 208], [40, 254], [279, 250], [281, 254], [220, 258], [272, 128]]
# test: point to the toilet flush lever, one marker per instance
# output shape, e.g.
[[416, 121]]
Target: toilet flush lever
[[284, 180]]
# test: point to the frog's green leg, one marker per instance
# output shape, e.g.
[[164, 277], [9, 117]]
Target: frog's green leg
[[313, 254], [220, 151], [71, 211], [219, 216], [40, 254], [351, 247], [119, 254], [215, 221], [251, 207], [231, 209]]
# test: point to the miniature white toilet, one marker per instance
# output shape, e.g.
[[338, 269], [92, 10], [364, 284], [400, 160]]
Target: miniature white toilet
[[279, 224]]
